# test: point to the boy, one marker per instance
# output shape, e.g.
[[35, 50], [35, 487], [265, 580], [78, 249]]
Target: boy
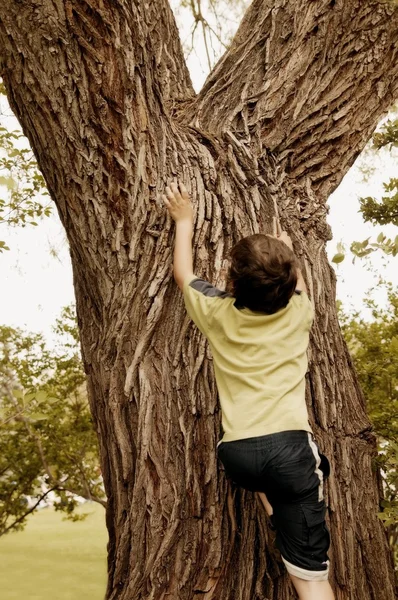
[[258, 333]]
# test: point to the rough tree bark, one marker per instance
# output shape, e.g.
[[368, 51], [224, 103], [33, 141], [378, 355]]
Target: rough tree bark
[[103, 94]]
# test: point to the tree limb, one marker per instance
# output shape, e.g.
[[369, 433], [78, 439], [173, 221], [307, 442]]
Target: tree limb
[[57, 483], [306, 80], [90, 121], [22, 517], [75, 492]]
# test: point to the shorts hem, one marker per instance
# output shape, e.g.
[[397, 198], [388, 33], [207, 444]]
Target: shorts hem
[[306, 573]]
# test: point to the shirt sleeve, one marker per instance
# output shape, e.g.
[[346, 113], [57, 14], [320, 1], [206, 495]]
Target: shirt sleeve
[[200, 298], [305, 309]]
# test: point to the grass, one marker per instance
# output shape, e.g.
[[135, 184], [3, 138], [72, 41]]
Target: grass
[[54, 559]]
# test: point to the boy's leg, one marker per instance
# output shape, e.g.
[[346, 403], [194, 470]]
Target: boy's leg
[[299, 515], [312, 590], [306, 590]]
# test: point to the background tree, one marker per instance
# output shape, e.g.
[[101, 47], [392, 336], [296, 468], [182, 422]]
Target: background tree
[[383, 211], [22, 185], [47, 440], [211, 25], [386, 210], [374, 347], [103, 94]]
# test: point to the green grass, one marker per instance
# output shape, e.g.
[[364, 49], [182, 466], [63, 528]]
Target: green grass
[[54, 559]]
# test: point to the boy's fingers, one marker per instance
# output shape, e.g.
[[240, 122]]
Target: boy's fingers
[[164, 198], [183, 190], [176, 191], [276, 227], [169, 193]]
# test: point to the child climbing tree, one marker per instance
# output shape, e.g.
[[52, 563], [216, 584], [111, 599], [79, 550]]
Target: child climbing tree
[[103, 93]]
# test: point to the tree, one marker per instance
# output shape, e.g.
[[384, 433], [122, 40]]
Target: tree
[[22, 180], [375, 211], [374, 347], [47, 440], [386, 211], [104, 96]]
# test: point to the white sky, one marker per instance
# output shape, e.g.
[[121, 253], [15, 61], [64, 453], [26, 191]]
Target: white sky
[[36, 285]]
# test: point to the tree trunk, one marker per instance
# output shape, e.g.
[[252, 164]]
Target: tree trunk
[[102, 92]]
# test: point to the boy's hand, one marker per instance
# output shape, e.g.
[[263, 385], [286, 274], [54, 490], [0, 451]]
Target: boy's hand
[[284, 237], [178, 203], [281, 235], [180, 209]]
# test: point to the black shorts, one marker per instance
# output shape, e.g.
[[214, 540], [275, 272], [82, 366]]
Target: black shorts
[[290, 470]]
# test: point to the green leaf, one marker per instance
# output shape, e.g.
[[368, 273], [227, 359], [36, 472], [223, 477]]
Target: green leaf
[[38, 416], [3, 245], [340, 248], [381, 237], [41, 396], [3, 414], [9, 182], [52, 400], [338, 258]]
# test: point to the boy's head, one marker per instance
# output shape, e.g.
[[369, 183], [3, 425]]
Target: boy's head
[[263, 273]]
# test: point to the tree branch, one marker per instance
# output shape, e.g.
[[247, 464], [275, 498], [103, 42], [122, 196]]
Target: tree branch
[[60, 484], [92, 497], [22, 517], [92, 84], [57, 483], [308, 81]]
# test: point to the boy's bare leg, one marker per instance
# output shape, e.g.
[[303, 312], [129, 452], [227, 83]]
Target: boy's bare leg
[[306, 590], [265, 502], [312, 590]]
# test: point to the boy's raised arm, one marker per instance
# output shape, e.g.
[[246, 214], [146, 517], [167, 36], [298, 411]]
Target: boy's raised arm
[[284, 237], [179, 205], [301, 287]]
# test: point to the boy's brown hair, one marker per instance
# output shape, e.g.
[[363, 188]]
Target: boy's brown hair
[[263, 273]]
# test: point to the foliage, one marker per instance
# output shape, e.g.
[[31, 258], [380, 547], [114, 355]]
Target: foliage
[[374, 348], [21, 184], [387, 245], [378, 212], [383, 212], [387, 136], [47, 440]]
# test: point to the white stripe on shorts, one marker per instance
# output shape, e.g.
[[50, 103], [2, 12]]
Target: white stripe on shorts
[[305, 573], [318, 471]]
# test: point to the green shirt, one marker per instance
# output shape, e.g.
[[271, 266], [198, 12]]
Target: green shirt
[[260, 360]]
